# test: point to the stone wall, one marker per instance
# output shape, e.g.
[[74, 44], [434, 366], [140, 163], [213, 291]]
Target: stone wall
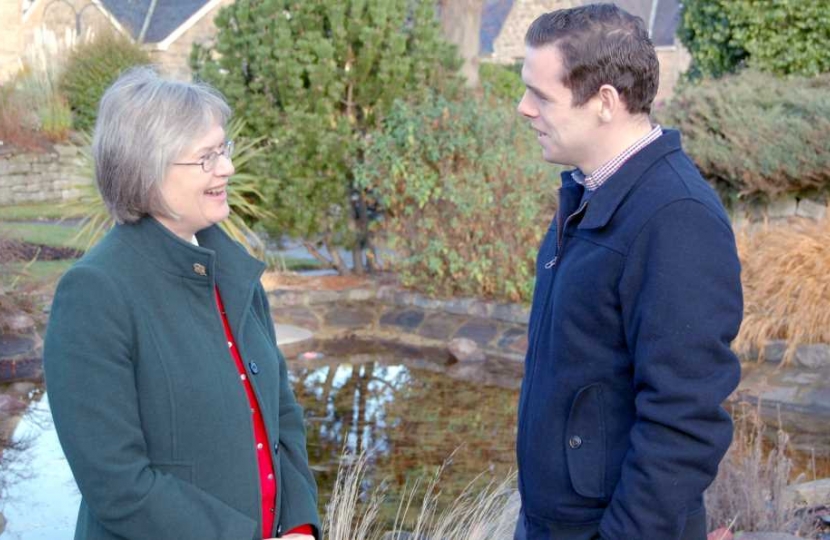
[[780, 210], [39, 177]]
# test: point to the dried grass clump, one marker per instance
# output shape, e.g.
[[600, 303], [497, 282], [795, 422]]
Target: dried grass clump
[[477, 514], [750, 491], [786, 278]]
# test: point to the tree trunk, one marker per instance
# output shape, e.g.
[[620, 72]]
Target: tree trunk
[[461, 25]]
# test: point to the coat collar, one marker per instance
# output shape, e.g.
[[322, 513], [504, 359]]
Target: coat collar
[[217, 260], [605, 201]]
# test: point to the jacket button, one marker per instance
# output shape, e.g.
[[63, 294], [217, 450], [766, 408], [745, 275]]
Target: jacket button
[[254, 367], [277, 448], [279, 529], [575, 442]]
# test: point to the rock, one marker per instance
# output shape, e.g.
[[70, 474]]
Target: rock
[[811, 209], [774, 350], [815, 493], [11, 345], [766, 536], [17, 323], [782, 207], [465, 350], [10, 405], [22, 388], [813, 356]]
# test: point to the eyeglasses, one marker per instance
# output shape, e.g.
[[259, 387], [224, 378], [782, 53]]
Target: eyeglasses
[[208, 163]]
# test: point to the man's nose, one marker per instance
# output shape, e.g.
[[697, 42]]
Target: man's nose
[[525, 107]]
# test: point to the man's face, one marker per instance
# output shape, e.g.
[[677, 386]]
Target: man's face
[[565, 133]]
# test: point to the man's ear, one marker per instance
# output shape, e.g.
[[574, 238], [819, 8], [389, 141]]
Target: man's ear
[[610, 103]]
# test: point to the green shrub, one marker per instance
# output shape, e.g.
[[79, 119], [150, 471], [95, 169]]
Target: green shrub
[[466, 194], [778, 36], [313, 77], [92, 67], [502, 81], [756, 135]]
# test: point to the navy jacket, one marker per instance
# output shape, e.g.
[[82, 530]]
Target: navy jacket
[[637, 299]]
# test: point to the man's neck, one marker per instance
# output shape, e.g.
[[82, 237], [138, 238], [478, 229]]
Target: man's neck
[[614, 140]]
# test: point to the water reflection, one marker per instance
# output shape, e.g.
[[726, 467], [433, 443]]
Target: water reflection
[[411, 417], [395, 403], [41, 499]]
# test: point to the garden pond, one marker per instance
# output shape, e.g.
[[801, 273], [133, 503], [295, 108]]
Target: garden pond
[[395, 403]]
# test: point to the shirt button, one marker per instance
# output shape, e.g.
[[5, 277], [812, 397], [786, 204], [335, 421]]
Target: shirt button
[[252, 410], [254, 368], [243, 377], [259, 446], [270, 477], [575, 442], [230, 344]]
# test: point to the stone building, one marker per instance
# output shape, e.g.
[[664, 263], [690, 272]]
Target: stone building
[[168, 31], [661, 17]]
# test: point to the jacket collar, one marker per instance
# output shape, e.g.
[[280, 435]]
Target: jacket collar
[[217, 260], [605, 201]]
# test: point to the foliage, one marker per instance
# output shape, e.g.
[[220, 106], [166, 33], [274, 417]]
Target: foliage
[[313, 77], [502, 81], [466, 193], [755, 135], [786, 290], [31, 105], [750, 491], [784, 37], [244, 196], [490, 513], [92, 67]]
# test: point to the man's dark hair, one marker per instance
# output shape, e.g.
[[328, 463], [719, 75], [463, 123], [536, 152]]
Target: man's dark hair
[[601, 44]]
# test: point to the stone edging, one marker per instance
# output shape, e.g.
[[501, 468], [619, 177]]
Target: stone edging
[[386, 294]]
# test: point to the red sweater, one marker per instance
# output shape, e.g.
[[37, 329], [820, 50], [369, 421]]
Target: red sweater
[[267, 479]]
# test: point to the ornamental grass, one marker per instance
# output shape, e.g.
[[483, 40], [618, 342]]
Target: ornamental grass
[[786, 279]]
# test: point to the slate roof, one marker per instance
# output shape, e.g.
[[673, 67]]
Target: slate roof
[[504, 22], [167, 17]]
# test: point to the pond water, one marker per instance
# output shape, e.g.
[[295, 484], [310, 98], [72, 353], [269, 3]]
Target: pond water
[[397, 404]]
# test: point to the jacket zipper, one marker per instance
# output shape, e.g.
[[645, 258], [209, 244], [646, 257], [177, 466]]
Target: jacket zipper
[[560, 232], [549, 265]]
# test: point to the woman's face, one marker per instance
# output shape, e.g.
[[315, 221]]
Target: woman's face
[[198, 198]]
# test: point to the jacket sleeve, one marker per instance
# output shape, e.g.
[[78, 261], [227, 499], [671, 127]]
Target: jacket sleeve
[[682, 306], [298, 503], [88, 362]]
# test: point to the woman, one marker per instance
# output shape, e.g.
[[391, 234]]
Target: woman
[[169, 395]]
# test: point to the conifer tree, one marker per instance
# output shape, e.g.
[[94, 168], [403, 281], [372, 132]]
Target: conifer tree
[[314, 77]]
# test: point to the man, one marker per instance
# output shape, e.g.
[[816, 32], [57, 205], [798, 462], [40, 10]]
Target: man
[[637, 299]]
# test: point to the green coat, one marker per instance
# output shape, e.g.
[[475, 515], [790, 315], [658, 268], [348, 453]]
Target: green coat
[[146, 398]]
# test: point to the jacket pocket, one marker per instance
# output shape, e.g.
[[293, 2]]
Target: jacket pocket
[[585, 443], [182, 470]]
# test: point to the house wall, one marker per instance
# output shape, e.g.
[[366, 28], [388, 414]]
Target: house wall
[[19, 32], [175, 60], [10, 37]]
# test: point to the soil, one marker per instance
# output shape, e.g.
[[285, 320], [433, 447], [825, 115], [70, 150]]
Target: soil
[[17, 251]]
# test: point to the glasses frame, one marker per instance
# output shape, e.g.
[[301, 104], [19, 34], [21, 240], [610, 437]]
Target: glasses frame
[[208, 163]]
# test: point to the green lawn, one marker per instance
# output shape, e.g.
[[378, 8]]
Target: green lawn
[[37, 272], [49, 234], [29, 212]]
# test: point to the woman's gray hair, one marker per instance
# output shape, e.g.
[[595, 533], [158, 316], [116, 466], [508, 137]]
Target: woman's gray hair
[[144, 124]]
